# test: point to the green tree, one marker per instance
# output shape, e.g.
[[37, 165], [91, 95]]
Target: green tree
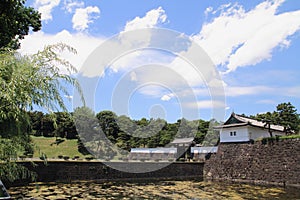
[[288, 117], [65, 126], [36, 122], [202, 131], [212, 136], [48, 125], [108, 124], [87, 127], [28, 81], [285, 115], [15, 22]]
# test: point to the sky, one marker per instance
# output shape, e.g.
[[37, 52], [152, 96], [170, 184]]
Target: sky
[[234, 56]]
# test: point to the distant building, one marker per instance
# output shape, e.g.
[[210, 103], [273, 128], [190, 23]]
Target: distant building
[[179, 147], [159, 153], [243, 129], [183, 146]]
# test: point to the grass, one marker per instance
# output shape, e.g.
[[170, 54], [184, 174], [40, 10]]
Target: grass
[[52, 149], [276, 138], [295, 136]]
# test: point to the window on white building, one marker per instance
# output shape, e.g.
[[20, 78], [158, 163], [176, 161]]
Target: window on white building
[[232, 133]]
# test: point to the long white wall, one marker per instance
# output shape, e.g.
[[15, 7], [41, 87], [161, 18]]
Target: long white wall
[[244, 134]]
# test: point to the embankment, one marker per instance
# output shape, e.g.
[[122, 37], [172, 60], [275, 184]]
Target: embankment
[[67, 171], [273, 162]]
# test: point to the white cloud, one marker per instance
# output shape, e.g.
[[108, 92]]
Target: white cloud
[[70, 5], [167, 97], [247, 90], [208, 10], [240, 38], [292, 91], [68, 96], [152, 90], [137, 58], [84, 44], [266, 101], [150, 20], [234, 91], [83, 17], [206, 104], [133, 76], [45, 7]]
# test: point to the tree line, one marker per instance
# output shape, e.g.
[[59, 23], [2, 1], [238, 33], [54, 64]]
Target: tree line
[[129, 133], [126, 133]]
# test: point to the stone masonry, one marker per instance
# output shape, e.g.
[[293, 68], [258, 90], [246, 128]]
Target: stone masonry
[[272, 162]]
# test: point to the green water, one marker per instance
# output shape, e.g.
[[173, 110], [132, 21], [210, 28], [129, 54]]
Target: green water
[[153, 190]]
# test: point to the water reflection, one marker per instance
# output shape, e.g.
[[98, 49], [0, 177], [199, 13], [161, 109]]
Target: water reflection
[[153, 190]]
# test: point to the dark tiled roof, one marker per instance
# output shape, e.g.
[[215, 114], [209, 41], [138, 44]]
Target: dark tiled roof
[[239, 120]]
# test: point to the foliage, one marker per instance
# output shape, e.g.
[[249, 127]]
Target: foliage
[[33, 80], [288, 117], [285, 115], [10, 150], [122, 131], [27, 81], [16, 21], [290, 136], [270, 140]]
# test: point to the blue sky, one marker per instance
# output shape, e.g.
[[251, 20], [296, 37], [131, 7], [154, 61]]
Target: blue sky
[[254, 46]]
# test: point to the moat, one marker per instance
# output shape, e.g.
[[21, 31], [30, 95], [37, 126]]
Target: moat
[[152, 190]]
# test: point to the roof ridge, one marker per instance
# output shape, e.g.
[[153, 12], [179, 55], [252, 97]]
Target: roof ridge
[[244, 116]]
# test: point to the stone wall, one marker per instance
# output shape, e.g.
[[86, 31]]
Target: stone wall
[[274, 162], [90, 170]]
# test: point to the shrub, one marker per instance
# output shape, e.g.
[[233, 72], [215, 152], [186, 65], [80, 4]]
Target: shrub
[[89, 158], [76, 157], [66, 157], [290, 137], [29, 155]]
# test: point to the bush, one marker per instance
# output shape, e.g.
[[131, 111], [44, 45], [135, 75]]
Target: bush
[[269, 140], [75, 157], [89, 158], [66, 157]]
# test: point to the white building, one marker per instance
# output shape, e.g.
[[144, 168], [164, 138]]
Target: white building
[[160, 153], [243, 129]]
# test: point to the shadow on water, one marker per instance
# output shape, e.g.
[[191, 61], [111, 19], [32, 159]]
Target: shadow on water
[[152, 190]]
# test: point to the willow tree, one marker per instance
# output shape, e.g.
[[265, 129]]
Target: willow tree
[[26, 82]]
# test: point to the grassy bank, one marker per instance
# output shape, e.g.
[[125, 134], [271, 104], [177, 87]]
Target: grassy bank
[[53, 148]]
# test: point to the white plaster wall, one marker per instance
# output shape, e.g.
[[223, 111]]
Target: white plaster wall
[[241, 134], [255, 133]]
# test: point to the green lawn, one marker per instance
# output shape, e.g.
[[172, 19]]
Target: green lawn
[[48, 146]]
